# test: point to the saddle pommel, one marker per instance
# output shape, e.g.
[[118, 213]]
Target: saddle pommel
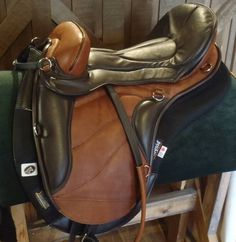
[[70, 47]]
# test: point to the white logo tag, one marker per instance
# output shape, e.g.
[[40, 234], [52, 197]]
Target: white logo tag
[[162, 151], [29, 169]]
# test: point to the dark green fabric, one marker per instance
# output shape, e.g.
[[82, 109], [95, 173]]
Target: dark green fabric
[[10, 189], [207, 146]]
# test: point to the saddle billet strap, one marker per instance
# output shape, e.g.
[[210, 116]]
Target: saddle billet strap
[[131, 136]]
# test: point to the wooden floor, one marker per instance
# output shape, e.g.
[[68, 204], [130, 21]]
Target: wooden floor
[[153, 233]]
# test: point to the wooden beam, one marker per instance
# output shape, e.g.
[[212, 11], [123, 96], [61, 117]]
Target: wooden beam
[[169, 204], [212, 185], [41, 19], [199, 217], [3, 10], [18, 215], [17, 19], [60, 13], [158, 206], [224, 15], [219, 203]]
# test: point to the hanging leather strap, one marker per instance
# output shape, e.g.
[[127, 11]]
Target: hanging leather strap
[[133, 142]]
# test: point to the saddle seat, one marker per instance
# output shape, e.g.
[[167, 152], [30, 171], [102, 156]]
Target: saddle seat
[[177, 44], [174, 48]]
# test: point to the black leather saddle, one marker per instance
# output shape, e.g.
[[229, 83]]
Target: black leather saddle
[[144, 87]]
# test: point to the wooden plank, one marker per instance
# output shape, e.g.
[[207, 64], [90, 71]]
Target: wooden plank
[[3, 10], [199, 217], [158, 206], [216, 4], [41, 18], [177, 227], [113, 23], [152, 232], [61, 13], [169, 204], [68, 3], [233, 38], [166, 5], [10, 4], [31, 214], [219, 203], [127, 22], [224, 15], [222, 40], [144, 17], [18, 216], [233, 66], [14, 50], [85, 11], [17, 19], [98, 28], [231, 52], [209, 196], [205, 2]]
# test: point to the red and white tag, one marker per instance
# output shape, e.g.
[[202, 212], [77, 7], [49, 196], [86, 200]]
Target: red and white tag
[[162, 151]]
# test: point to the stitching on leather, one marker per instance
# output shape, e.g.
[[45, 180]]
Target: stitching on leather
[[108, 160], [95, 133]]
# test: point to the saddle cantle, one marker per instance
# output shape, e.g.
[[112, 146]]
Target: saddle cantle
[[102, 119]]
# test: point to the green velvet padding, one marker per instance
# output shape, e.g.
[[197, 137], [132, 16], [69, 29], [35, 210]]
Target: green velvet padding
[[10, 190], [205, 147]]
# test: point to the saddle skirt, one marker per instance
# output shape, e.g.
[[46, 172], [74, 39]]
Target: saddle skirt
[[102, 119]]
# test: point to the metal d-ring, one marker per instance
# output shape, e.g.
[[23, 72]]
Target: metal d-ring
[[158, 95], [45, 64], [34, 39], [207, 67]]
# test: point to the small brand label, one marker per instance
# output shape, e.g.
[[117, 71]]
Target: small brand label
[[29, 169], [157, 148], [162, 151]]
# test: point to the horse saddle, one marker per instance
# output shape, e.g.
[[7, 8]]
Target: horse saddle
[[92, 125]]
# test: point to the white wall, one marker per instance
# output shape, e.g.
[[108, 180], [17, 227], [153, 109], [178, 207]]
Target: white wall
[[228, 231]]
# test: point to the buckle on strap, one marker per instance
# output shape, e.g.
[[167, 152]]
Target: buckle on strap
[[86, 238]]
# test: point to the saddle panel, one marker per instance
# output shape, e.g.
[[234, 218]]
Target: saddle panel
[[95, 193]]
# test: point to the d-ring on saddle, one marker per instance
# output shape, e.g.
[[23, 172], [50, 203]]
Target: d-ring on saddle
[[97, 122]]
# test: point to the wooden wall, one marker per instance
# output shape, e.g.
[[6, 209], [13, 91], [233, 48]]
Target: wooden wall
[[116, 23]]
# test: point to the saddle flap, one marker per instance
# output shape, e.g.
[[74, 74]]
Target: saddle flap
[[70, 47]]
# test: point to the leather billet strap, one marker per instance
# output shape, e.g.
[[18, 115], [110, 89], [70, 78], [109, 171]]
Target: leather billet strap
[[133, 142]]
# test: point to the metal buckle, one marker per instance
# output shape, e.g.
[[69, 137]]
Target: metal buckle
[[158, 95], [45, 64], [84, 237], [148, 168], [49, 43]]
